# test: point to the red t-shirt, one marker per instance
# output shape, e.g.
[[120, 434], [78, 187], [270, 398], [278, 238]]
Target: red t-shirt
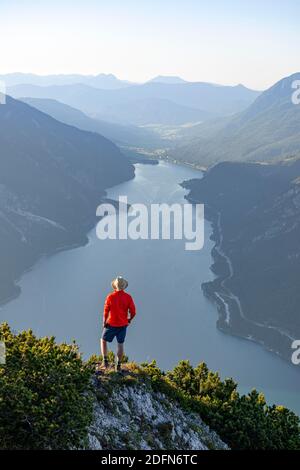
[[116, 307]]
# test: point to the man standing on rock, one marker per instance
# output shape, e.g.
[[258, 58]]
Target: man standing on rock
[[119, 310]]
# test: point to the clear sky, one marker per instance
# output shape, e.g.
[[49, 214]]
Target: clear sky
[[254, 42]]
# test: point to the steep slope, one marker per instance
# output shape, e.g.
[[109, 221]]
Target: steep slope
[[138, 417], [120, 134], [268, 130], [52, 177], [255, 210], [154, 110], [121, 105]]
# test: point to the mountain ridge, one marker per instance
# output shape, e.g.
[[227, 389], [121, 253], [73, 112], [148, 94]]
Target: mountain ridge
[[167, 79], [268, 130], [52, 178], [102, 80], [108, 104], [118, 133]]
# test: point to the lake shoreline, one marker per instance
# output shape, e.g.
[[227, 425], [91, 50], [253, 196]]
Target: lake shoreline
[[155, 159], [64, 295], [229, 320], [193, 166], [230, 317], [13, 290]]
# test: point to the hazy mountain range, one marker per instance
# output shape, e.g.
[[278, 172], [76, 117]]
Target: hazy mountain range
[[268, 130], [106, 81], [120, 134], [150, 103], [102, 80], [52, 178]]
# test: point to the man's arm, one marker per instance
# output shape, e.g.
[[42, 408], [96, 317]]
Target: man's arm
[[132, 309], [106, 310]]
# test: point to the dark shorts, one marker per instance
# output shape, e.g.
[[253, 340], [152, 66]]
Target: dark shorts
[[110, 332]]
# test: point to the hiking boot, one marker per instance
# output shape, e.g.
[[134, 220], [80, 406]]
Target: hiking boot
[[105, 364], [118, 367]]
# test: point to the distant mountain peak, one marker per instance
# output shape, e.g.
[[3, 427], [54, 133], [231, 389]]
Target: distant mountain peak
[[268, 130], [169, 79]]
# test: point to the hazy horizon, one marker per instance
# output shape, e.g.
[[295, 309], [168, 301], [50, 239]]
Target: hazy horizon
[[133, 82], [136, 82], [221, 42]]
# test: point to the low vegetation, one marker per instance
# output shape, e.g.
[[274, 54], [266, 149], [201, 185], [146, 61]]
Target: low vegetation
[[242, 421], [47, 395], [45, 400]]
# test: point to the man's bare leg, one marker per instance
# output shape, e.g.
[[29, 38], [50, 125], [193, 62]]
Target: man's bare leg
[[104, 347], [104, 351], [120, 353]]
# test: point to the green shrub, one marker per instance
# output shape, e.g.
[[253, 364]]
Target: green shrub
[[243, 422], [45, 399], [152, 371]]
